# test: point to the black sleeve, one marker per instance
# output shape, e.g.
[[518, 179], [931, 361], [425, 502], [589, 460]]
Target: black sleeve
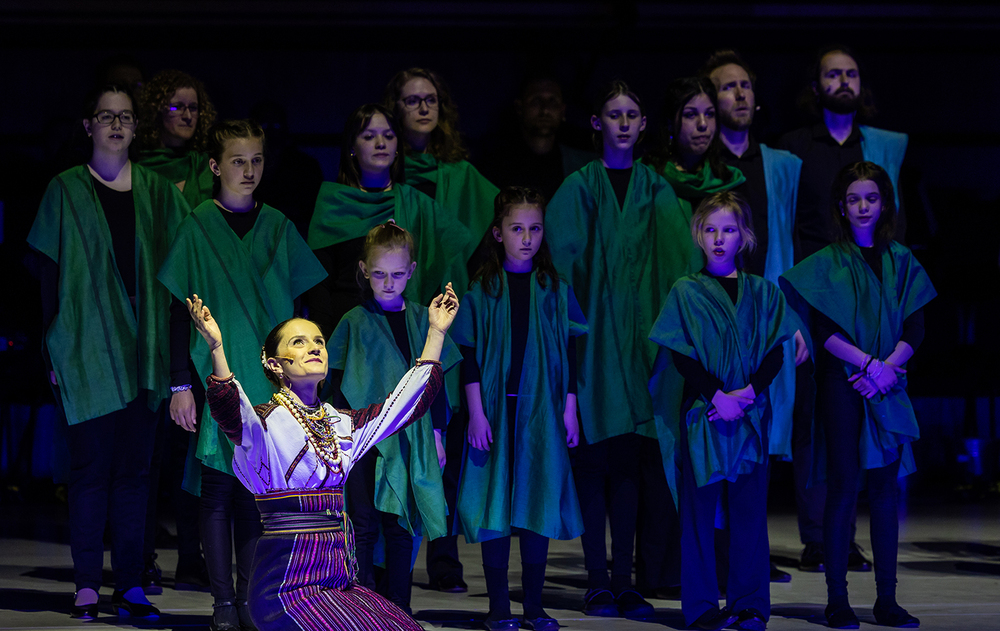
[[180, 343], [913, 329], [571, 357], [702, 381], [336, 397], [439, 412], [825, 328], [320, 297], [470, 367], [768, 369]]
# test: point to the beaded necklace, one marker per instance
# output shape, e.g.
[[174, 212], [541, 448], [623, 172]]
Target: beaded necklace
[[320, 433]]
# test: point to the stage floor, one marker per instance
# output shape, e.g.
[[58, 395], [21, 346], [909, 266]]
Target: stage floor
[[949, 577]]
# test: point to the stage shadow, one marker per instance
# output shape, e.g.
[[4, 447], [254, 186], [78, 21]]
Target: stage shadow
[[807, 612], [954, 567], [35, 601], [959, 548]]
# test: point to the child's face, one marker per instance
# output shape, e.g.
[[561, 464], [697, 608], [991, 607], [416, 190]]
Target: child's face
[[302, 352], [375, 147], [521, 235], [863, 206], [721, 239], [241, 166], [620, 123], [387, 271]]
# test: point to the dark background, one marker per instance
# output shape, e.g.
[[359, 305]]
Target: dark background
[[934, 69]]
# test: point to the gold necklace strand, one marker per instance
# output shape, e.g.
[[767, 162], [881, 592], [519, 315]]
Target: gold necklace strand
[[320, 434]]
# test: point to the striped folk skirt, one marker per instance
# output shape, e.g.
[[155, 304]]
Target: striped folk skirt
[[304, 569]]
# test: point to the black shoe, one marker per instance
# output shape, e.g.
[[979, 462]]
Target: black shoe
[[84, 612], [779, 576], [192, 576], [750, 620], [600, 602], [892, 615], [450, 584], [813, 558], [504, 624], [632, 605], [152, 577], [224, 616], [715, 619], [841, 617], [124, 608], [542, 623], [856, 561], [243, 611]]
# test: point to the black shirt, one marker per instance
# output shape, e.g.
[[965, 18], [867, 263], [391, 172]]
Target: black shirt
[[338, 293], [822, 158], [119, 212], [754, 189], [397, 324], [515, 164], [241, 223], [619, 181]]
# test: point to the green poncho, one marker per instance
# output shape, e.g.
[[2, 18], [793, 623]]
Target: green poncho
[[542, 496], [182, 165], [407, 474], [102, 353], [692, 187], [700, 321], [343, 213], [838, 283], [621, 263], [250, 285]]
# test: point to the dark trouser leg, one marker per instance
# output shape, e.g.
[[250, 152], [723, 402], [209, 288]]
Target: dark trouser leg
[[185, 505], [246, 530], [398, 556], [534, 554], [132, 445], [496, 557], [590, 471], [749, 583], [90, 445], [658, 537], [364, 516], [442, 553], [699, 585], [809, 501], [155, 466], [624, 481], [882, 501], [842, 409], [217, 499]]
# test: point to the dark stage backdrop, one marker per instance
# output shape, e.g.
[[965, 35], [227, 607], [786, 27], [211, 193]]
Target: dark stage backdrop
[[934, 70]]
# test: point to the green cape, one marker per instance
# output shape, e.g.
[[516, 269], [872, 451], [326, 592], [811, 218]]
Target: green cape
[[343, 213], [541, 497], [407, 474], [691, 187], [190, 167], [700, 321], [250, 285], [886, 149], [838, 283], [621, 264], [102, 353]]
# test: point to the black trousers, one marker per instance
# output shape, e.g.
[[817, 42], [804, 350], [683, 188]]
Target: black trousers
[[368, 521], [442, 553], [745, 501], [228, 515], [109, 484], [842, 417]]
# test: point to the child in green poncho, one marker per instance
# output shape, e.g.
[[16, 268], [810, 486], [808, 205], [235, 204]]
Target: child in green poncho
[[519, 374], [724, 330], [252, 263], [865, 296], [395, 488]]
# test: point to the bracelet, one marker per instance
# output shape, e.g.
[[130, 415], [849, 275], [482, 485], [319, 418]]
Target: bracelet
[[866, 362], [421, 361], [875, 369], [212, 377], [176, 389]]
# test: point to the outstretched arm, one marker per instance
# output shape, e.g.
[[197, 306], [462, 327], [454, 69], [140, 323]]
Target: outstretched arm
[[209, 329]]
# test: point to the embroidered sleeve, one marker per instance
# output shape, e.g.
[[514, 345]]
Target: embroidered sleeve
[[224, 402], [409, 401]]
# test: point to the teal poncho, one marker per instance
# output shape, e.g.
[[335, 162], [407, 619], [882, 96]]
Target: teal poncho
[[250, 285], [541, 497], [343, 213], [700, 321], [102, 353], [692, 187], [182, 165], [460, 189], [621, 263], [838, 283], [407, 474]]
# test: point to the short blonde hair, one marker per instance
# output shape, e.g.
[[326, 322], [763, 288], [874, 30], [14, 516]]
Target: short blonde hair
[[725, 200]]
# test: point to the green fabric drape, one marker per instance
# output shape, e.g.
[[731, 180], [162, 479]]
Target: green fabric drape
[[886, 149], [700, 321], [103, 351], [407, 475], [621, 263], [250, 284], [343, 213], [182, 165], [541, 495], [691, 187], [838, 283]]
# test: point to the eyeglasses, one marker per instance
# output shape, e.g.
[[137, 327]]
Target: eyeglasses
[[106, 117], [175, 108], [414, 101]]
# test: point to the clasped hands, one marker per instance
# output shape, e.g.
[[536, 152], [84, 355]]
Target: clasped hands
[[729, 406], [881, 383]]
